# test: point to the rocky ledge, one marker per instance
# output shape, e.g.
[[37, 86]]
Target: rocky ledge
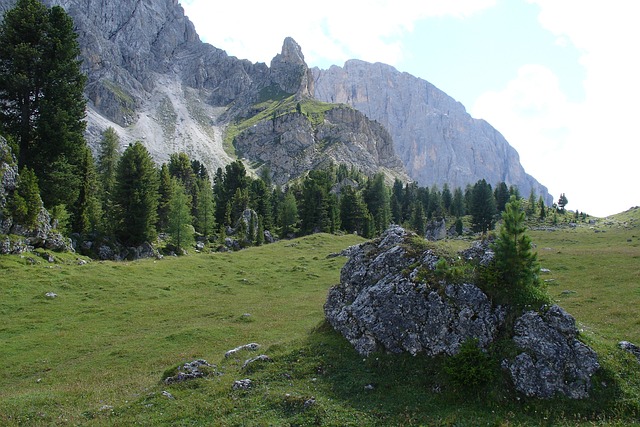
[[384, 304]]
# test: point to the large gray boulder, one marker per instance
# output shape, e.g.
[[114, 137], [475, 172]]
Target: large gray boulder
[[380, 305], [553, 360]]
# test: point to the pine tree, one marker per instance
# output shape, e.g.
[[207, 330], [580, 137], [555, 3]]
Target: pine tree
[[376, 196], [531, 207], [418, 219], [107, 166], [136, 196], [501, 195], [543, 209], [516, 262], [87, 212], [458, 205], [562, 202], [397, 202], [25, 204], [164, 196], [447, 198], [483, 207], [41, 91], [289, 214], [353, 211], [205, 220], [179, 226]]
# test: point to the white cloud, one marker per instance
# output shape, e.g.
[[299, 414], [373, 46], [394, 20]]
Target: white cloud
[[589, 150], [329, 32]]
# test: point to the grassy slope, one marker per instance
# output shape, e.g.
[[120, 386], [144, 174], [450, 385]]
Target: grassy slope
[[115, 328]]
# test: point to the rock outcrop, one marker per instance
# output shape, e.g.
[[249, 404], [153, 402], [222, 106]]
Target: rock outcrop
[[434, 136], [380, 305], [553, 360], [291, 144], [389, 300]]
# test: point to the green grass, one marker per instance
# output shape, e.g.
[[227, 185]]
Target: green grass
[[96, 354]]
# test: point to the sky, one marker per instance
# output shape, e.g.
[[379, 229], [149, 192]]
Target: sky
[[560, 79]]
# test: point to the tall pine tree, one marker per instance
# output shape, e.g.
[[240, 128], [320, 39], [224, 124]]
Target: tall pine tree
[[41, 93], [136, 196]]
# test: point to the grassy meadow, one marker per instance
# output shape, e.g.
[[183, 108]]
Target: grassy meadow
[[97, 353]]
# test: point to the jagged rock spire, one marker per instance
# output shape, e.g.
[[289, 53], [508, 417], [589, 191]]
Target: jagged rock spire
[[290, 71]]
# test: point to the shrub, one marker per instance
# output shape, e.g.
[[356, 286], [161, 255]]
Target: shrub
[[471, 368]]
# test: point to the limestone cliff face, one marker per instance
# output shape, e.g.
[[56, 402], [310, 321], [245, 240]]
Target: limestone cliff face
[[292, 144], [437, 140]]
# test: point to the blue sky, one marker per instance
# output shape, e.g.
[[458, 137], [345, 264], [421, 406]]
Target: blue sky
[[558, 78]]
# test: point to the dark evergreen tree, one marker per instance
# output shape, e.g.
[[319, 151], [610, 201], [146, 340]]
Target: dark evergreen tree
[[87, 212], [543, 209], [164, 196], [501, 195], [25, 203], [458, 204], [289, 215], [459, 227], [483, 207], [41, 93], [180, 168], [179, 226], [435, 207], [447, 198], [314, 205], [239, 203], [354, 214], [108, 156], [376, 196], [225, 186], [199, 170], [418, 219], [205, 219], [397, 201], [409, 199], [515, 261], [531, 205], [260, 201], [562, 202], [136, 196]]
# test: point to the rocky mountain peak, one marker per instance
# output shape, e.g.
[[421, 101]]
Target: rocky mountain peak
[[289, 70]]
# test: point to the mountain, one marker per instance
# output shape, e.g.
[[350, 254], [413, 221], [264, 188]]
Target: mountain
[[152, 79], [435, 137]]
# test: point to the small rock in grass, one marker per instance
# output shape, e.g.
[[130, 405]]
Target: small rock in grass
[[244, 384]]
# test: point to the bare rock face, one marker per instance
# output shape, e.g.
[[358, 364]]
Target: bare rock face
[[553, 360], [291, 144], [289, 70], [378, 306], [434, 136]]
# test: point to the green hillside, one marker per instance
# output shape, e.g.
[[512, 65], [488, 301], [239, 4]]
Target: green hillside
[[97, 353]]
